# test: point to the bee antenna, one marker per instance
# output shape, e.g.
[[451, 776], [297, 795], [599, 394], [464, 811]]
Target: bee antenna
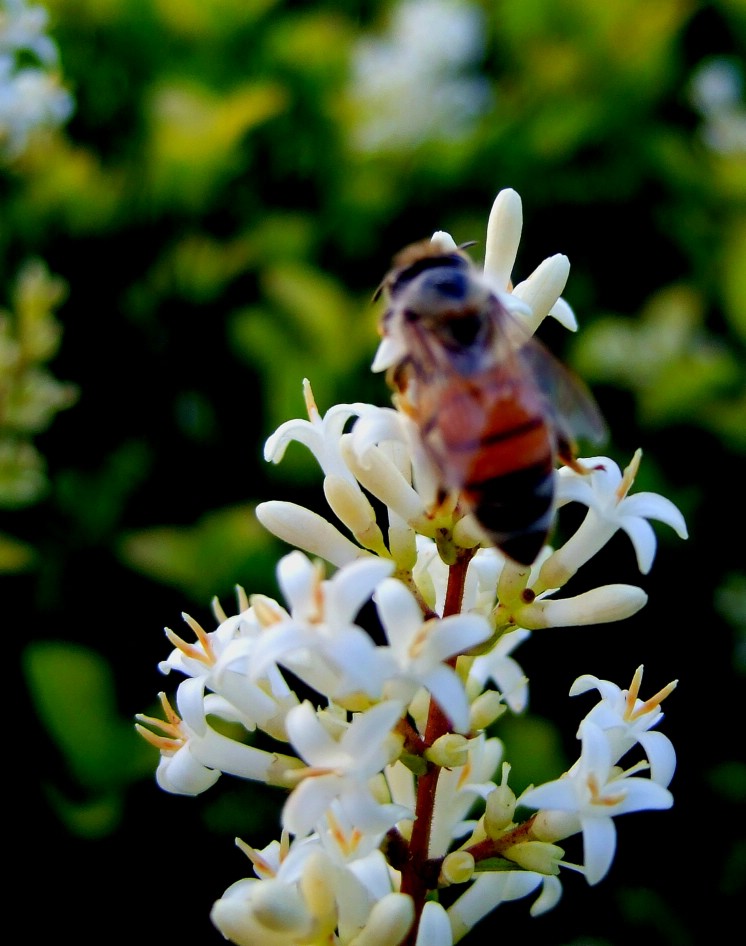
[[465, 246]]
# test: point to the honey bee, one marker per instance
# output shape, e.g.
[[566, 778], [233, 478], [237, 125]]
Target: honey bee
[[495, 411]]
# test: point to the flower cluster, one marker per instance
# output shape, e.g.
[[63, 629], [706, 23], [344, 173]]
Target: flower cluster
[[399, 823], [417, 82], [31, 95]]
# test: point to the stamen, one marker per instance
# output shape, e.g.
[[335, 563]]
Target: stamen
[[655, 701], [628, 477], [171, 714], [597, 798], [201, 635], [318, 594], [162, 743], [418, 641], [174, 737], [217, 610], [261, 866], [189, 650], [634, 689], [312, 410], [346, 844], [242, 598], [465, 774], [284, 844], [265, 611]]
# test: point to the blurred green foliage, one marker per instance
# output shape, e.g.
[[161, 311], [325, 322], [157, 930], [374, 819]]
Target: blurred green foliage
[[220, 209]]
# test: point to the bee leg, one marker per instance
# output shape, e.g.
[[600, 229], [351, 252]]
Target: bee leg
[[566, 455]]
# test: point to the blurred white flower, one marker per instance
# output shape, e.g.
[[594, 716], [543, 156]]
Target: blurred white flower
[[716, 91], [420, 80], [31, 94]]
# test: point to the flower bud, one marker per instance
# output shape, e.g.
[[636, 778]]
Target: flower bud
[[598, 606], [499, 810], [503, 236], [543, 288], [419, 707], [348, 502], [449, 751], [389, 922], [280, 908], [380, 476], [307, 530], [554, 825], [317, 887], [539, 856], [457, 868], [485, 709]]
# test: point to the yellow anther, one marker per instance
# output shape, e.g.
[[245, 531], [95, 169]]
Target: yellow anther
[[262, 867], [174, 737], [346, 842], [628, 477], [630, 713], [266, 611], [202, 636], [311, 409]]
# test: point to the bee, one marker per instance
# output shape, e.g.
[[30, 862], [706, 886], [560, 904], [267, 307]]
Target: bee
[[495, 411]]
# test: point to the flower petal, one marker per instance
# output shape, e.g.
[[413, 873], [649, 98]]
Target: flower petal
[[599, 845]]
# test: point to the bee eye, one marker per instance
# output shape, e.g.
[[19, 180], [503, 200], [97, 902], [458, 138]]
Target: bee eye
[[451, 284]]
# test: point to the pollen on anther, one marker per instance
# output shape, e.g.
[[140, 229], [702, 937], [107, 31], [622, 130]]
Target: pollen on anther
[[262, 867]]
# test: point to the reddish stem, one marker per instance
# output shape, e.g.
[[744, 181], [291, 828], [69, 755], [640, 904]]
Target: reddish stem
[[417, 880]]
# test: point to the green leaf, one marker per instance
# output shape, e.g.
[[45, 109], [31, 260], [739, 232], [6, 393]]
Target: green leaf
[[15, 556], [73, 691], [226, 547]]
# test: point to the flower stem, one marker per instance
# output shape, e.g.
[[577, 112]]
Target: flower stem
[[417, 881]]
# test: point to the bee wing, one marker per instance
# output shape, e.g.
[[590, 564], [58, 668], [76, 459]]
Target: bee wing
[[570, 404]]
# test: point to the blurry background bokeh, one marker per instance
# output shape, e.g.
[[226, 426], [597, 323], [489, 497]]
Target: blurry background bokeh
[[197, 200]]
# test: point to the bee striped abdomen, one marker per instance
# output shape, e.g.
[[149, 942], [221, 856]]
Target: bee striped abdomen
[[498, 451]]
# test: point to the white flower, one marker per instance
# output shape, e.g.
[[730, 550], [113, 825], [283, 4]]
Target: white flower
[[499, 666], [305, 891], [604, 490], [291, 899], [417, 82], [594, 792], [541, 291], [298, 526], [435, 927], [318, 640], [490, 889], [31, 96], [23, 27], [320, 434], [212, 658], [419, 650], [627, 720], [341, 768], [193, 753]]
